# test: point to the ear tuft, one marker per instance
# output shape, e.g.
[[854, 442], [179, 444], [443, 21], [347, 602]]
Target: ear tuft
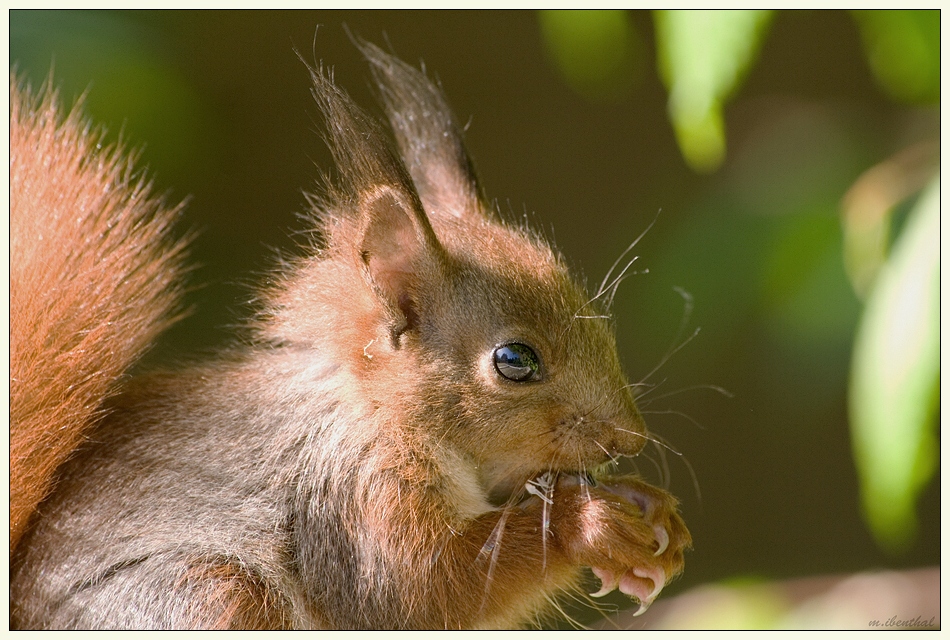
[[429, 139]]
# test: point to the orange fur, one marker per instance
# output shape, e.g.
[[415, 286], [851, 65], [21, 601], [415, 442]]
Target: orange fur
[[93, 279]]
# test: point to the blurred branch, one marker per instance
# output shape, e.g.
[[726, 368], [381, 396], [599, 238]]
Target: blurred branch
[[867, 207]]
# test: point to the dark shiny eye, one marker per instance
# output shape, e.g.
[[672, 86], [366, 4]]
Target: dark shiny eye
[[517, 362]]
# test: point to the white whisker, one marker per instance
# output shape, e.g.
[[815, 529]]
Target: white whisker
[[556, 606], [674, 412], [603, 284], [710, 387], [616, 281], [492, 547], [609, 302], [650, 438], [668, 355], [543, 487], [656, 465]]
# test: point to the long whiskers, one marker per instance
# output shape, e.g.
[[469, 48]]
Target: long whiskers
[[610, 284], [603, 285], [491, 549], [612, 457], [662, 468], [610, 291], [669, 354], [582, 468], [710, 387], [650, 438], [662, 447], [674, 412], [687, 312], [689, 467], [543, 487], [556, 606]]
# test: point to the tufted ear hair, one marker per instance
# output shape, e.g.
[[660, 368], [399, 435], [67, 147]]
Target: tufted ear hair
[[429, 139], [396, 245]]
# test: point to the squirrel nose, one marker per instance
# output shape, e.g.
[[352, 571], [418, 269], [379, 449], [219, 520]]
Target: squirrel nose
[[629, 442], [630, 430]]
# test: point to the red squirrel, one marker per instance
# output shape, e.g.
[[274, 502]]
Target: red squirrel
[[420, 434]]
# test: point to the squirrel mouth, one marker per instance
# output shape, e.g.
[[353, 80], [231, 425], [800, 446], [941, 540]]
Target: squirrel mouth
[[540, 484]]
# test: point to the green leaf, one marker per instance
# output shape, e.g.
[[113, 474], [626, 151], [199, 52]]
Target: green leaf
[[702, 57], [903, 47], [597, 52], [895, 377]]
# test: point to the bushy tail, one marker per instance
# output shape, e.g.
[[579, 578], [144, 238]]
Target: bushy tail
[[94, 277]]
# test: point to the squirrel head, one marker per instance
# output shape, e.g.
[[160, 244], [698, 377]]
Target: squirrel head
[[455, 329]]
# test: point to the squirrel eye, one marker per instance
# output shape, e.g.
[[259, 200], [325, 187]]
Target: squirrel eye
[[517, 362]]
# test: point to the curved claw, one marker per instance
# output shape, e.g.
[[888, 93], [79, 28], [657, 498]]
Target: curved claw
[[643, 609], [608, 582], [662, 537], [633, 587], [658, 576]]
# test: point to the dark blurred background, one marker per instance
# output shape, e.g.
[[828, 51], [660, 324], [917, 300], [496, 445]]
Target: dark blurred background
[[220, 106]]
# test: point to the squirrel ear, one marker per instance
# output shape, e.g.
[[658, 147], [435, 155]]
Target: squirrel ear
[[400, 253], [429, 139]]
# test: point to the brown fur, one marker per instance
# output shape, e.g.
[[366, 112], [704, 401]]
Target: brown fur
[[362, 463], [227, 597]]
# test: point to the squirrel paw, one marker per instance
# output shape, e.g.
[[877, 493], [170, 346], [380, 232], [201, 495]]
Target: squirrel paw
[[629, 533]]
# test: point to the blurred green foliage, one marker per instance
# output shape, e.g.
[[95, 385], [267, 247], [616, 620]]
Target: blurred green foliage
[[903, 48], [703, 57], [599, 53], [895, 377], [126, 82]]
